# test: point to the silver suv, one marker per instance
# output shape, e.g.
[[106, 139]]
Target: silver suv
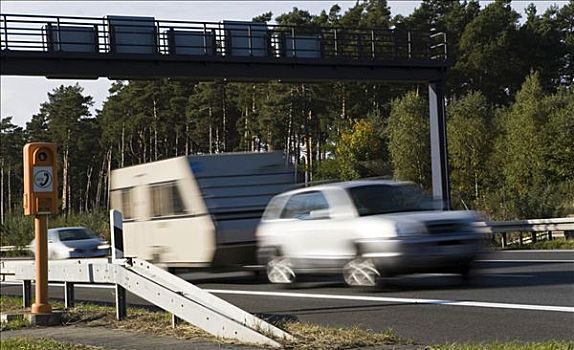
[[365, 230]]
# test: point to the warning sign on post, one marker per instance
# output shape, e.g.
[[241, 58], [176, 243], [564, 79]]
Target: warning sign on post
[[43, 179]]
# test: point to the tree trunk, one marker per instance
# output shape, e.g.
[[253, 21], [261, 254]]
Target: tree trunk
[[224, 121], [187, 137], [88, 183], [108, 181], [176, 141], [290, 128], [210, 114], [154, 128], [123, 147], [9, 190], [65, 201], [2, 192], [99, 187]]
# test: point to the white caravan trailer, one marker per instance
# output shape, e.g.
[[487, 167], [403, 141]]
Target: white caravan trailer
[[195, 211]]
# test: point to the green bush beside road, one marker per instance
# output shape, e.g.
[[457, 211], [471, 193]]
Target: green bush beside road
[[18, 230]]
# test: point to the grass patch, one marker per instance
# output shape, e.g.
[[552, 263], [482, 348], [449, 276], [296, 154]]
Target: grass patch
[[551, 345], [554, 244], [308, 336], [10, 303], [14, 324], [311, 336], [545, 245], [144, 320], [22, 343]]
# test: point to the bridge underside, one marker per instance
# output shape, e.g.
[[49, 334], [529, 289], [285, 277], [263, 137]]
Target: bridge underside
[[135, 66]]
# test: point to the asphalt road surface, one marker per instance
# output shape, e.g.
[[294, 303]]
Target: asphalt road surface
[[514, 296]]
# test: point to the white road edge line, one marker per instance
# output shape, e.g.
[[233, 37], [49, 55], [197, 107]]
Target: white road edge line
[[400, 300], [569, 309], [525, 261]]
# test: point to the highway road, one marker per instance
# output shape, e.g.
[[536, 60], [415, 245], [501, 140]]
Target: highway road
[[515, 296]]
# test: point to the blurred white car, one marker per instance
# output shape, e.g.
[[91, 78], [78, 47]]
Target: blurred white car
[[74, 242], [365, 230]]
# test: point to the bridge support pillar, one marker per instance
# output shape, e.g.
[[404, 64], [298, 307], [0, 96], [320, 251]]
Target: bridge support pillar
[[438, 143]]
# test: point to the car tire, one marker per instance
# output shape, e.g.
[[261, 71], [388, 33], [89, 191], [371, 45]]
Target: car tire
[[280, 270], [361, 272], [466, 273]]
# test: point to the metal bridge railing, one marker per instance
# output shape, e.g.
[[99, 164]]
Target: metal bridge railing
[[146, 35]]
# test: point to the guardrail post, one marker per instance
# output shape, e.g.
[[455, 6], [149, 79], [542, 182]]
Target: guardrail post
[[121, 305], [26, 294], [116, 229], [175, 321], [534, 237], [69, 294], [550, 236], [504, 241]]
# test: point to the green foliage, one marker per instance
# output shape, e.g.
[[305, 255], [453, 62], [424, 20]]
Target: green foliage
[[533, 150], [409, 142], [491, 58], [470, 136], [18, 230], [356, 147], [554, 244]]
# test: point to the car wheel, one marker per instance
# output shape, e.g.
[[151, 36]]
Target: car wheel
[[361, 272], [466, 273], [280, 270]]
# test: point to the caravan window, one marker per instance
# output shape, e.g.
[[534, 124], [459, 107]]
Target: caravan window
[[122, 200], [166, 200]]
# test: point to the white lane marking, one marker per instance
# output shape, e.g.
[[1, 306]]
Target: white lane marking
[[399, 300], [508, 275], [569, 309], [549, 251], [525, 261]]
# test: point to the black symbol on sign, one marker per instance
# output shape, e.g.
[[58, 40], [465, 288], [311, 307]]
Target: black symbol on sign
[[45, 180]]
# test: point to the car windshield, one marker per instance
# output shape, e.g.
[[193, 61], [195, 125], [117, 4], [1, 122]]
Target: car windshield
[[383, 199], [75, 234]]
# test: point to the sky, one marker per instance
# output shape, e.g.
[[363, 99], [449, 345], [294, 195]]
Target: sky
[[21, 96]]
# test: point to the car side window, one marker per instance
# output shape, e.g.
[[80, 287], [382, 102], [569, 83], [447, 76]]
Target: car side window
[[300, 205]]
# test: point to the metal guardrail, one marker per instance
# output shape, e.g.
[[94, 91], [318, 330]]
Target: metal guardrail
[[533, 226], [146, 35], [161, 288]]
